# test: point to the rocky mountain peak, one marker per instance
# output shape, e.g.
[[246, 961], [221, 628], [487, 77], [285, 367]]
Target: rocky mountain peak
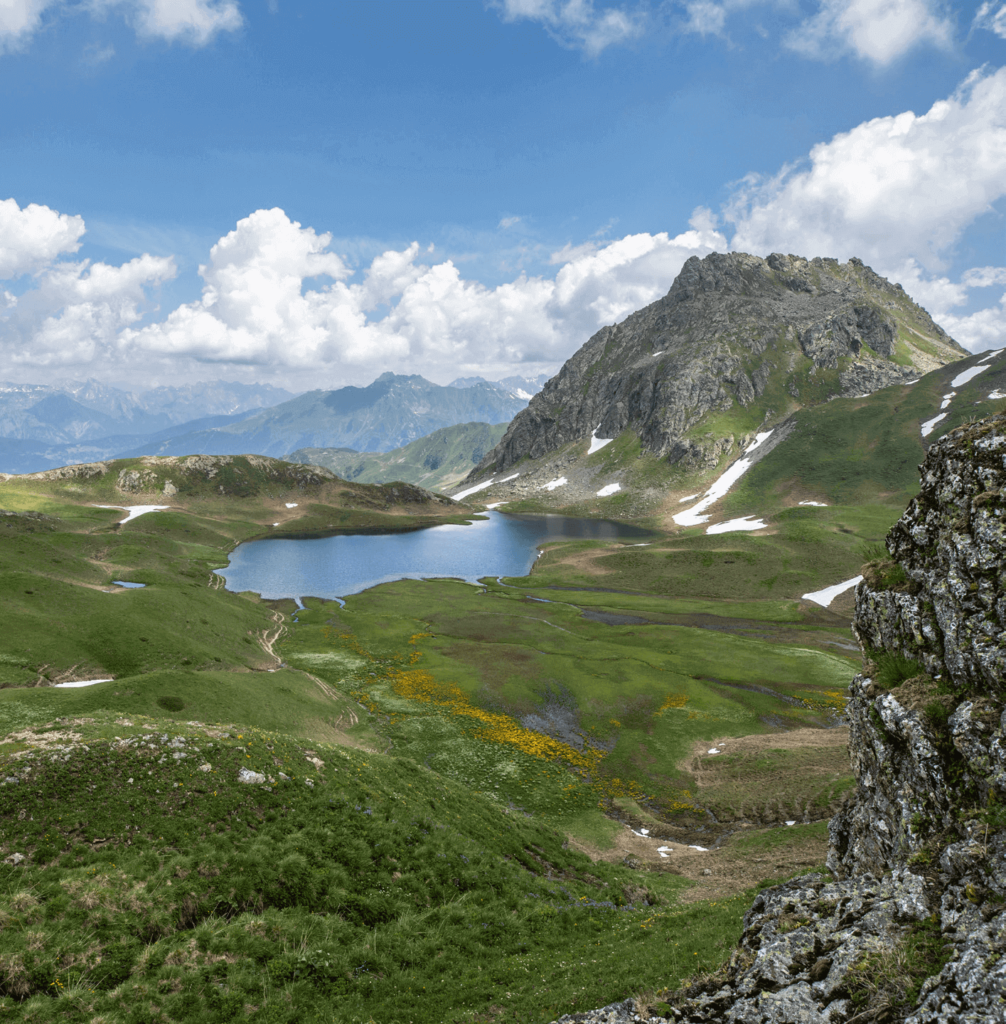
[[746, 338]]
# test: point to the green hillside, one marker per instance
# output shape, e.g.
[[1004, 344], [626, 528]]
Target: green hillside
[[438, 827], [436, 462]]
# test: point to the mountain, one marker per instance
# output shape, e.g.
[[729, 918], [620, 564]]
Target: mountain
[[518, 387], [66, 412], [385, 415], [737, 343], [34, 456], [436, 461]]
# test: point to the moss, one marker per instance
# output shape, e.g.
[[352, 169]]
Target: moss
[[893, 669], [886, 982], [886, 574]]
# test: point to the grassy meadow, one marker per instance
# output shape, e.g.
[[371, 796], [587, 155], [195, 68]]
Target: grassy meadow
[[460, 793]]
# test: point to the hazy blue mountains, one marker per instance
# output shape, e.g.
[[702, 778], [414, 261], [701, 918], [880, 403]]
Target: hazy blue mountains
[[390, 413], [47, 425]]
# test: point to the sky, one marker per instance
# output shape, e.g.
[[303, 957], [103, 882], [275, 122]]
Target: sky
[[310, 193]]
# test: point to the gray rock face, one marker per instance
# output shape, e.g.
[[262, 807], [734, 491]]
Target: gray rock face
[[912, 927], [951, 543], [733, 329]]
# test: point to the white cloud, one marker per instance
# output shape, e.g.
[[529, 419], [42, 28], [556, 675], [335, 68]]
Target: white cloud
[[578, 24], [74, 312], [890, 190], [190, 21], [991, 19], [705, 17], [508, 222], [33, 237], [255, 310], [984, 277], [896, 191], [19, 19], [875, 30], [194, 22]]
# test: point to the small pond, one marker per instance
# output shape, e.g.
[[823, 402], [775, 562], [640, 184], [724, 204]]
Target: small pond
[[329, 567]]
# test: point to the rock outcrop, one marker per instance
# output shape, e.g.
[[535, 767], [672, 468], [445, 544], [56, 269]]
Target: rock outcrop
[[734, 329], [912, 924]]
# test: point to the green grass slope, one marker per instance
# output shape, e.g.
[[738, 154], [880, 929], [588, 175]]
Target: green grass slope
[[442, 878], [343, 887], [435, 462]]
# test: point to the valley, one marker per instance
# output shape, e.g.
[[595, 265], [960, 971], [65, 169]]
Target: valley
[[497, 798]]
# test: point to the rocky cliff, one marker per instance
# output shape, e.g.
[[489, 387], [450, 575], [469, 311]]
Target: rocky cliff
[[734, 331], [912, 925]]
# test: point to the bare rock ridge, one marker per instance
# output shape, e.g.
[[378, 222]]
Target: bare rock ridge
[[913, 925], [734, 329]]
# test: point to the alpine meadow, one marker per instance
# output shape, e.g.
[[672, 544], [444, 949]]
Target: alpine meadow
[[502, 512]]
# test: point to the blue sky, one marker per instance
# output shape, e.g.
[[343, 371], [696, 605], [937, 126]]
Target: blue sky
[[457, 188]]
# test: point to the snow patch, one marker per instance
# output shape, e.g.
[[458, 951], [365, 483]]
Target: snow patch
[[692, 516], [759, 438], [704, 849], [790, 822], [496, 504], [687, 497], [291, 504], [734, 525], [597, 443], [609, 489], [507, 479], [816, 504], [82, 682], [946, 399], [660, 353], [965, 375], [997, 394], [930, 425], [559, 481], [473, 490], [134, 510], [989, 355], [713, 751], [826, 596]]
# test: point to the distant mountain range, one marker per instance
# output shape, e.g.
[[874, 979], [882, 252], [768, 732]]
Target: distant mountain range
[[67, 412], [436, 462], [43, 426], [520, 387], [388, 414]]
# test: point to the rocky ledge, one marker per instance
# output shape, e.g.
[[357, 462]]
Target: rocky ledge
[[911, 923]]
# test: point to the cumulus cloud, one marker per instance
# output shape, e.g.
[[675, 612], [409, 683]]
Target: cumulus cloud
[[875, 30], [578, 24], [33, 237], [896, 191], [73, 314], [891, 189], [402, 313], [194, 22]]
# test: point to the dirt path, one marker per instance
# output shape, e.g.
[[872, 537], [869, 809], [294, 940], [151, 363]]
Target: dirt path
[[269, 637]]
